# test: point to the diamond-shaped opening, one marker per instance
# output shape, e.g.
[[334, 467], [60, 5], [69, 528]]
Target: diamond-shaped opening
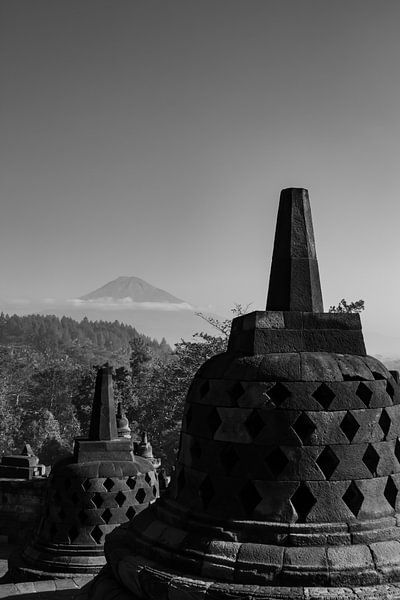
[[353, 498], [371, 459], [147, 479], [254, 424], [390, 492], [154, 490], [195, 449], [96, 534], [384, 423], [278, 394], [395, 375], [67, 483], [377, 375], [130, 513], [327, 462], [213, 420], [204, 389], [206, 491], [53, 529], [189, 417], [86, 485], [349, 426], [97, 500], [108, 484], [277, 461], [250, 498], [229, 458], [73, 533], [236, 391], [304, 427], [324, 395], [130, 482], [120, 498], [390, 390], [364, 393], [106, 515], [303, 501], [140, 495], [82, 517]]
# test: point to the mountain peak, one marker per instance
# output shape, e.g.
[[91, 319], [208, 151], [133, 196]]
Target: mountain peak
[[133, 288]]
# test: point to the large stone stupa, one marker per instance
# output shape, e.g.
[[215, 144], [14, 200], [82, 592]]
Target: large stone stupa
[[287, 478]]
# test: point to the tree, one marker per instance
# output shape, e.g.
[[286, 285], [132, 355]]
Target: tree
[[163, 391], [344, 307]]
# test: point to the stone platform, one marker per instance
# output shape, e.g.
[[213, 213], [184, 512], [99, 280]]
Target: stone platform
[[180, 588], [58, 589]]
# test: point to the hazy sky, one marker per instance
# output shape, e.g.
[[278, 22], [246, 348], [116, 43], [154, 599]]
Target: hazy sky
[[152, 138]]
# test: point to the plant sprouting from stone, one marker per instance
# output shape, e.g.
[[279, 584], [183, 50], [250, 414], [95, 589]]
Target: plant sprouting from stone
[[348, 307]]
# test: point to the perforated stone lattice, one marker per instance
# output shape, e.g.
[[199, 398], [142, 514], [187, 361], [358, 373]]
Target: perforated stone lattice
[[83, 511], [220, 440]]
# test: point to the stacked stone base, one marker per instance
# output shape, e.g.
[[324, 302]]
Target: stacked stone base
[[106, 586], [56, 561], [155, 558]]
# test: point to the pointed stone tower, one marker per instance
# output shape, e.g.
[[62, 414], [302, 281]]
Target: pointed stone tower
[[287, 478], [101, 486]]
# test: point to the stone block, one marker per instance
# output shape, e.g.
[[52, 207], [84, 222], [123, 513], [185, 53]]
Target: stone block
[[351, 565], [187, 589], [338, 321], [319, 366], [386, 555], [333, 340], [260, 557], [216, 571], [305, 564], [293, 319], [268, 341], [280, 367]]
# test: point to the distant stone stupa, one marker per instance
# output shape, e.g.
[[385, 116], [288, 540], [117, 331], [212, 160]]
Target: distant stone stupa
[[288, 473], [101, 486]]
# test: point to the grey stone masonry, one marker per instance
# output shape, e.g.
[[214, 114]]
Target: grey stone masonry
[[287, 477], [101, 486]]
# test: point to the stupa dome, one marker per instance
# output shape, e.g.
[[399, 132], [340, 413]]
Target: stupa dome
[[288, 472]]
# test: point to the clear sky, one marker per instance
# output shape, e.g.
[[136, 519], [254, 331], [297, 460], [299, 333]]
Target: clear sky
[[152, 138]]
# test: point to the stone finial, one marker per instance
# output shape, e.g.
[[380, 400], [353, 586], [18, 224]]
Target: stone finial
[[294, 283], [27, 450], [144, 448], [103, 423], [123, 428]]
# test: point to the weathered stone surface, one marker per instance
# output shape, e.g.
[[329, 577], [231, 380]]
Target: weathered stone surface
[[101, 486], [294, 281], [287, 481]]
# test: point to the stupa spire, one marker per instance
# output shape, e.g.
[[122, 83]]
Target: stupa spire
[[103, 423], [294, 283]]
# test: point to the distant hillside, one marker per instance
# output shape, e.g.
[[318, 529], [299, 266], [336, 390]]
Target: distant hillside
[[97, 341], [132, 288]]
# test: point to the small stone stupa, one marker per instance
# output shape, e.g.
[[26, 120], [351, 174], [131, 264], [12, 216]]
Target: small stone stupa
[[288, 473], [22, 466], [101, 486]]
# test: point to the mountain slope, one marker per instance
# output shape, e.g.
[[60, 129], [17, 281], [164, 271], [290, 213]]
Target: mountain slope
[[134, 288]]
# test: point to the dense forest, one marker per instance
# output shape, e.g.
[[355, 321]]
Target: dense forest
[[48, 368], [47, 373], [90, 341]]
